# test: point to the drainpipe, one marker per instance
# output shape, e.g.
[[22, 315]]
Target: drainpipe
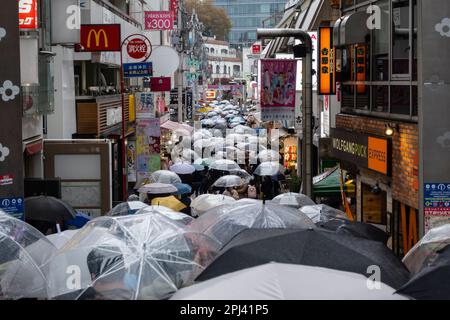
[[307, 141]]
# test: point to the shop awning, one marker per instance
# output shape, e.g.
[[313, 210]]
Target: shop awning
[[328, 184], [175, 126]]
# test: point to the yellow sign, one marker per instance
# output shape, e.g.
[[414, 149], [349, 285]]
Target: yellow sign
[[97, 38], [377, 154], [210, 94]]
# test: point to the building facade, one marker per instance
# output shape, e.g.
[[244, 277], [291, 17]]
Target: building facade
[[223, 61], [248, 15]]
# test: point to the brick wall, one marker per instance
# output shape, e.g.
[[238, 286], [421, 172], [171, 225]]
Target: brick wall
[[405, 153]]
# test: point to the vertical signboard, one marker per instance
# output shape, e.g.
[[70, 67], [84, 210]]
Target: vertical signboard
[[148, 138], [434, 118], [327, 83], [28, 14], [131, 160], [278, 78], [11, 153], [66, 19], [361, 68]]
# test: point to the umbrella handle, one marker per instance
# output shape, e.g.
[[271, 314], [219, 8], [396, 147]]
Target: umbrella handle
[[58, 228]]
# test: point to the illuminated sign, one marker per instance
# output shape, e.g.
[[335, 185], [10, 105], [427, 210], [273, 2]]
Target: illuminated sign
[[28, 14], [327, 82], [159, 20], [361, 67], [210, 94], [101, 37]]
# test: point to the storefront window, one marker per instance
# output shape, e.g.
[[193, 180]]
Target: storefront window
[[400, 38], [380, 98], [374, 204], [380, 44], [348, 97], [414, 41], [400, 99]]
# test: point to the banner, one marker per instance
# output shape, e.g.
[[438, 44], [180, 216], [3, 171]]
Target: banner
[[278, 78], [148, 139], [131, 160], [145, 105], [327, 82]]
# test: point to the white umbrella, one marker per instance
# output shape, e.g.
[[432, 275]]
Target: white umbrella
[[206, 202], [126, 208], [224, 165], [269, 169], [242, 174], [165, 176], [158, 188], [182, 168], [278, 281], [293, 199], [60, 239], [203, 143], [168, 213], [322, 213], [268, 155], [228, 181]]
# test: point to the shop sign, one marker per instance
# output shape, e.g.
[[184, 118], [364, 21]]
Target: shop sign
[[256, 48], [28, 14], [13, 207], [327, 82], [100, 37], [210, 94], [136, 70], [160, 84], [436, 204], [6, 180], [159, 20], [362, 150]]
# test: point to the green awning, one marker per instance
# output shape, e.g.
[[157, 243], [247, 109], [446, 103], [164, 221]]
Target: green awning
[[328, 184]]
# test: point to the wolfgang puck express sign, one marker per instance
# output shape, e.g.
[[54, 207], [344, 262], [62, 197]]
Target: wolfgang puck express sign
[[363, 150]]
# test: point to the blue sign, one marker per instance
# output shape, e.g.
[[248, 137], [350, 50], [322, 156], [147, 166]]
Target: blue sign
[[136, 70], [13, 207], [437, 195]]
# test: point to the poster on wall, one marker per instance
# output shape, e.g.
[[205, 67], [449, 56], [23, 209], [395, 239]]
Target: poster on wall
[[131, 161], [148, 133], [145, 105], [277, 97], [436, 205]]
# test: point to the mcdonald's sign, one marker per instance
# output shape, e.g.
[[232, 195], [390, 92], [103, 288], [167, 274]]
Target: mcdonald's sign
[[100, 37]]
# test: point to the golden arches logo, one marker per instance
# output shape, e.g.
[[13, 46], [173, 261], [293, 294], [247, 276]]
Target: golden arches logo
[[97, 38]]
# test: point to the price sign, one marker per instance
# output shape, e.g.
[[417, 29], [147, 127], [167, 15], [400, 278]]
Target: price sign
[[159, 20]]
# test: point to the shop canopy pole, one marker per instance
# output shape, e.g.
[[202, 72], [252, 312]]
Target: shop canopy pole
[[124, 151], [307, 141]]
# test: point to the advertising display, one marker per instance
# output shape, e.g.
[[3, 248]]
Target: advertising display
[[100, 37], [28, 14], [145, 105], [148, 133], [137, 70], [159, 20], [277, 97], [327, 82]]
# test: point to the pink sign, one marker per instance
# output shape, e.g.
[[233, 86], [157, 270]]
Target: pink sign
[[158, 20]]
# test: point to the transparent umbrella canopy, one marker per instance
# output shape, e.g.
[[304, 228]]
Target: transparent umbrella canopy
[[206, 202], [165, 176], [228, 181], [268, 155], [322, 213], [168, 213], [224, 165], [268, 169], [143, 256], [126, 208], [224, 222], [296, 200], [25, 254]]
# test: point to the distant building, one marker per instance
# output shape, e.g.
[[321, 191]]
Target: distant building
[[223, 61], [248, 15]]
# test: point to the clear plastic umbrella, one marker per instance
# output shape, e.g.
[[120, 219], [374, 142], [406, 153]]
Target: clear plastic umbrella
[[60, 239], [182, 168], [203, 143], [292, 199], [224, 222], [224, 165], [322, 213], [269, 169], [426, 250], [268, 155], [203, 162], [206, 202], [165, 176], [158, 188], [126, 208], [167, 212], [25, 254], [228, 181], [144, 256], [242, 174]]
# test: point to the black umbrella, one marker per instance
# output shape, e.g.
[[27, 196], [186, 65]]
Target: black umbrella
[[313, 247], [356, 229], [50, 209], [433, 281]]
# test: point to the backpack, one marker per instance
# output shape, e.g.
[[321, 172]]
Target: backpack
[[251, 192]]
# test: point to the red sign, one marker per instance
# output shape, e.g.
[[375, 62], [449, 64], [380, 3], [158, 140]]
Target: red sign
[[137, 48], [158, 20], [100, 37], [256, 49], [6, 180], [28, 14], [159, 84]]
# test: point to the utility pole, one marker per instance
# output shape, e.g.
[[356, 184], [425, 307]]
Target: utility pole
[[180, 68], [307, 140]]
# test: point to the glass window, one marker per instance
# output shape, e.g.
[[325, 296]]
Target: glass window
[[348, 97], [380, 45], [400, 99], [400, 37], [380, 98], [217, 69], [414, 41], [415, 103]]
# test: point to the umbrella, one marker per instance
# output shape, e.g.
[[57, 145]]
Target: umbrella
[[126, 208], [432, 282], [182, 168], [144, 256], [80, 220], [158, 188], [426, 249], [279, 281], [242, 174], [60, 239], [322, 212], [170, 202], [206, 202], [183, 188], [203, 143], [198, 167], [224, 222], [224, 165], [168, 213], [203, 162], [292, 199], [269, 169], [165, 176], [24, 257], [228, 181], [268, 155], [44, 208], [312, 247]]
